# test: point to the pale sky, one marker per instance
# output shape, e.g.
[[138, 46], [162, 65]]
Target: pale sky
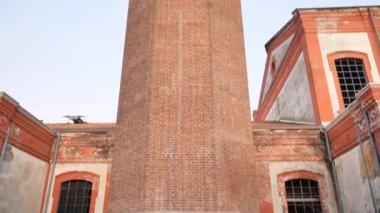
[[64, 57]]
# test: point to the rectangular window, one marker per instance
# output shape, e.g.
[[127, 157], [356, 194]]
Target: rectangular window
[[352, 79]]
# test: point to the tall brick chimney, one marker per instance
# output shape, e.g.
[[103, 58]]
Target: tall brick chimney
[[183, 136]]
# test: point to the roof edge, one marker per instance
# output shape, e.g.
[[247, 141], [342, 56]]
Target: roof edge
[[25, 112], [270, 125], [276, 35], [86, 127], [295, 11], [333, 8]]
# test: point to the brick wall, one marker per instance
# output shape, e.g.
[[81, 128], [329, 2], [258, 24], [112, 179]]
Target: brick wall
[[182, 138]]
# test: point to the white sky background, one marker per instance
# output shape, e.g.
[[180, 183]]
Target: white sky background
[[64, 57]]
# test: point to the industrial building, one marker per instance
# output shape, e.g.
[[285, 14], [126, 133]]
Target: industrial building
[[185, 140]]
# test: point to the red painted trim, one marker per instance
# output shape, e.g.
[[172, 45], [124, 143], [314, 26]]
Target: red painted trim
[[28, 134], [347, 54], [309, 73], [107, 192], [320, 93], [87, 176], [350, 20], [290, 30], [263, 86], [312, 22], [302, 174], [272, 46], [283, 73], [45, 189]]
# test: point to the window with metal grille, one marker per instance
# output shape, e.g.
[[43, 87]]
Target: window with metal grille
[[302, 196], [352, 78], [75, 196]]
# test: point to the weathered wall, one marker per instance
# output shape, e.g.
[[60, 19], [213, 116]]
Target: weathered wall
[[319, 167], [283, 148], [100, 169], [333, 42], [277, 56], [354, 182], [22, 179], [85, 148], [90, 147], [294, 101]]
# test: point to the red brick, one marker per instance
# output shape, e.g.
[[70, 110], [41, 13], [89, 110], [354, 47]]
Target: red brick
[[182, 138]]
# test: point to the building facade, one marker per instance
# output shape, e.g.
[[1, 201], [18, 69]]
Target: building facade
[[184, 140], [323, 69]]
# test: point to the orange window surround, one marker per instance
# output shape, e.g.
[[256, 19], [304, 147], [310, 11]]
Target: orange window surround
[[347, 54], [67, 176]]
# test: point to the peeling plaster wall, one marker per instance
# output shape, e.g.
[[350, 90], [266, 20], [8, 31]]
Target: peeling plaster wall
[[22, 179], [277, 168], [100, 169], [334, 42], [354, 183], [294, 101], [278, 55], [282, 150]]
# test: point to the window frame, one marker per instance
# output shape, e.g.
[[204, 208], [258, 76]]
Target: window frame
[[342, 55], [302, 174], [305, 191], [68, 176]]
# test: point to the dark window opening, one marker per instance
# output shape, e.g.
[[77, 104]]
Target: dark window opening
[[75, 197], [273, 69], [352, 79], [302, 196]]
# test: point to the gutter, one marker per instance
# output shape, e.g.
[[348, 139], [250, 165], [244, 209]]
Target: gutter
[[52, 172], [296, 122], [334, 172], [372, 142]]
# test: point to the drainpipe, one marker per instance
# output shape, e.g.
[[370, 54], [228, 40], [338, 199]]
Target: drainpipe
[[5, 143], [334, 172], [365, 165], [372, 141], [48, 191], [373, 25], [296, 122]]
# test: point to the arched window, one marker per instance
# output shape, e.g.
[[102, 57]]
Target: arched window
[[351, 72], [302, 196], [75, 196], [352, 77], [75, 192]]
